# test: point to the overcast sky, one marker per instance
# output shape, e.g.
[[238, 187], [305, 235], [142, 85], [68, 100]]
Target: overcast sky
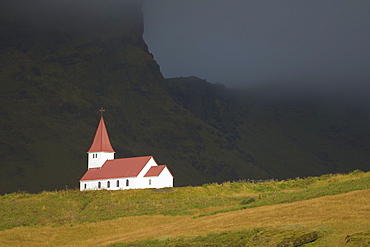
[[243, 42]]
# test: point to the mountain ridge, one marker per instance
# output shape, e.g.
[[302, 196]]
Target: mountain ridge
[[286, 133], [54, 77]]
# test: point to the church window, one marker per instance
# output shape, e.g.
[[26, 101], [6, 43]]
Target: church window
[[150, 181], [99, 185], [108, 184], [127, 182], [84, 186], [117, 183]]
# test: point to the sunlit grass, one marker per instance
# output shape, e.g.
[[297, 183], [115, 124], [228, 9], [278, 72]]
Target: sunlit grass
[[88, 218], [68, 207], [255, 237], [333, 217]]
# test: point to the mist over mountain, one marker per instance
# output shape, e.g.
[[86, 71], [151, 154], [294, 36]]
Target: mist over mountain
[[283, 130], [242, 43], [61, 61]]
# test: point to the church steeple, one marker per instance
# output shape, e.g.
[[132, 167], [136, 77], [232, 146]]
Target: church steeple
[[101, 142], [101, 150]]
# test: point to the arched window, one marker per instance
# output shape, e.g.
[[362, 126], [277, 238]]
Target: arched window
[[99, 185], [127, 182], [117, 183], [150, 181], [84, 186], [108, 184]]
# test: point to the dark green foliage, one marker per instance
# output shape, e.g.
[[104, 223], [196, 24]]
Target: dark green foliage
[[212, 103], [54, 80], [57, 71], [286, 134]]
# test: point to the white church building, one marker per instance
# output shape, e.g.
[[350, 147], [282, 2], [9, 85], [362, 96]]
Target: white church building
[[106, 172]]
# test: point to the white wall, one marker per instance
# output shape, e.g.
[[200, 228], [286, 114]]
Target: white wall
[[164, 179], [93, 184], [141, 182], [100, 159], [146, 168]]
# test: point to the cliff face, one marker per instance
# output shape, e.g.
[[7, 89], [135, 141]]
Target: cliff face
[[60, 61], [285, 132]]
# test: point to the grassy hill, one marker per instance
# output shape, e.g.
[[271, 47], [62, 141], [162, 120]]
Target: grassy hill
[[329, 209]]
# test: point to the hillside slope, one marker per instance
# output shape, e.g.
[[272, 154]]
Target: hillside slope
[[285, 131], [264, 213], [61, 61]]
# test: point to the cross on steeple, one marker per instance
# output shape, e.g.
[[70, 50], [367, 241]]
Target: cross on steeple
[[101, 111], [101, 142]]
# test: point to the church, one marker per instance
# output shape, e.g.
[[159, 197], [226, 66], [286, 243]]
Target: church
[[106, 172]]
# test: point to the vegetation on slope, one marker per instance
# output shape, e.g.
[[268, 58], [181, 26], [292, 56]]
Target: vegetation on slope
[[281, 129], [56, 72], [258, 237], [75, 207]]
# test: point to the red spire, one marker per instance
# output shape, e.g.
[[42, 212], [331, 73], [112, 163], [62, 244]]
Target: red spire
[[101, 141]]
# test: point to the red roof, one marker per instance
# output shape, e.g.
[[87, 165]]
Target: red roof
[[118, 168], [101, 142], [154, 171]]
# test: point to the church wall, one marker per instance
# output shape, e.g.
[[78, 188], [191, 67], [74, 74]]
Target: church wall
[[164, 179], [146, 168], [97, 159], [122, 184], [147, 182]]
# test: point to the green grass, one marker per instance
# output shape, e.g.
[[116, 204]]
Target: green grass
[[276, 192], [358, 239], [256, 237], [69, 207]]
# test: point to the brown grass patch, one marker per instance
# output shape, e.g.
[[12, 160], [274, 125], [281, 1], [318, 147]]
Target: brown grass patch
[[337, 216]]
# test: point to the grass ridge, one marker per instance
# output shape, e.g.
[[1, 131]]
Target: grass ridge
[[69, 207]]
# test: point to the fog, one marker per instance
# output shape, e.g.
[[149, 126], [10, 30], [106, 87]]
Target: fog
[[233, 42], [244, 43], [93, 16]]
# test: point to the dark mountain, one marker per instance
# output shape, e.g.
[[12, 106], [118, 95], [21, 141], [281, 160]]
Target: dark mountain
[[60, 61], [284, 129]]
